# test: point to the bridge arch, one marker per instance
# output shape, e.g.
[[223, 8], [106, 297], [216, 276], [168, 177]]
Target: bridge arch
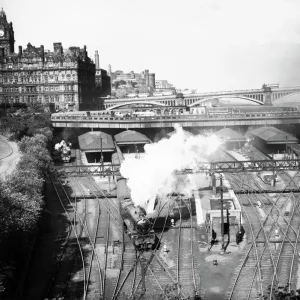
[[135, 102], [282, 98], [226, 97]]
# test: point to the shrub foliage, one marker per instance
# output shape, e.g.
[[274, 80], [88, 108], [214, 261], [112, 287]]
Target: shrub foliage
[[21, 193]]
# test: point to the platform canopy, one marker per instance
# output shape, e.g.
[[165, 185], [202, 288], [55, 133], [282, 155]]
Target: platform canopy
[[229, 135], [131, 137], [96, 141], [272, 135]]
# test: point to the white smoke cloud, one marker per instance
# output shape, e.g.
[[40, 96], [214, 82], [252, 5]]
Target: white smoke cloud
[[153, 175]]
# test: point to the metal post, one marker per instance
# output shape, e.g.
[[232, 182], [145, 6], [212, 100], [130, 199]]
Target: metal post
[[222, 215], [286, 147], [213, 183], [101, 153], [142, 262]]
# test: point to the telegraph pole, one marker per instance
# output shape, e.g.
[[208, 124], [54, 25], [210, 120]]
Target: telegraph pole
[[222, 215], [101, 153]]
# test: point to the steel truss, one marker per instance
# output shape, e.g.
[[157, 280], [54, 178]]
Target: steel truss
[[204, 167]]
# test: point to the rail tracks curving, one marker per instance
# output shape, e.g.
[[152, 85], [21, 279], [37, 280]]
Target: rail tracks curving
[[265, 253], [71, 252]]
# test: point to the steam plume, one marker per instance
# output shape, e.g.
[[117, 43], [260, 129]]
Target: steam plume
[[153, 175]]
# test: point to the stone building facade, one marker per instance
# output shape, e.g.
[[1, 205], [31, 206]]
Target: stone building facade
[[103, 82], [61, 78]]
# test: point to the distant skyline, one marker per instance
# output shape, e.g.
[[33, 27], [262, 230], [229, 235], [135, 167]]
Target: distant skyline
[[208, 45]]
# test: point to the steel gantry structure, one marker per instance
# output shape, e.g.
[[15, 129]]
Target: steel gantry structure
[[203, 167]]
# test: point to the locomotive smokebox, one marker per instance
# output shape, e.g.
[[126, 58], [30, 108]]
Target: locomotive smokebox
[[143, 226]]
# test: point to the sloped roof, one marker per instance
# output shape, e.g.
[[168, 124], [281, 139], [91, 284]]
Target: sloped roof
[[94, 140], [273, 135], [230, 135], [131, 137], [296, 148]]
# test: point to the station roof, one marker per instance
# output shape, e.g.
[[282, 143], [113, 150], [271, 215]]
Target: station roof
[[230, 135], [272, 135], [295, 148], [215, 204], [94, 140], [131, 137]]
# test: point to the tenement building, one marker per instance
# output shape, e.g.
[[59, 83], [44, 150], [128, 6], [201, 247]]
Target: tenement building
[[61, 78]]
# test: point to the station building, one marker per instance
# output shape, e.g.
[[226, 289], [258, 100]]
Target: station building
[[96, 147], [271, 139], [131, 142]]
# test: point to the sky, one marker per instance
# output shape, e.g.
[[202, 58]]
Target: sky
[[208, 45]]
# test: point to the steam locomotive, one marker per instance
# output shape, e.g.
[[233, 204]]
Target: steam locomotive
[[135, 221], [63, 150]]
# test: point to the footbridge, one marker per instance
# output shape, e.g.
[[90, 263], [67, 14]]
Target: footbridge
[[263, 96]]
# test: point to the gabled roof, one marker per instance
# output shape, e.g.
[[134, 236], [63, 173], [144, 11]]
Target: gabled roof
[[273, 135], [131, 137], [230, 135], [95, 140]]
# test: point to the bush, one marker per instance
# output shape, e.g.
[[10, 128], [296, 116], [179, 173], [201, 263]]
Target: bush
[[21, 205]]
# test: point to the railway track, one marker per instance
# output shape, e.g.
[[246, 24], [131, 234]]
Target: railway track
[[183, 248], [108, 230], [156, 272], [94, 271], [261, 258], [71, 253], [108, 272]]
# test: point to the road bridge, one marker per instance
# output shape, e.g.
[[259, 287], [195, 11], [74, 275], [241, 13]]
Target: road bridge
[[238, 119], [264, 96]]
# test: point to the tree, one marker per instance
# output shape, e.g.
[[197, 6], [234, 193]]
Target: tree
[[26, 121], [21, 195]]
